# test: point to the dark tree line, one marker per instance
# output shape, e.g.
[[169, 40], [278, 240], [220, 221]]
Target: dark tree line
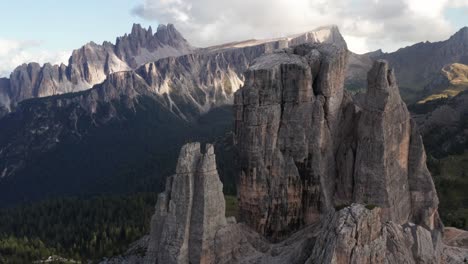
[[74, 228]]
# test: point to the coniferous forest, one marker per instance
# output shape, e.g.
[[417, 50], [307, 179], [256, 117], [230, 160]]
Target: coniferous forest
[[74, 228]]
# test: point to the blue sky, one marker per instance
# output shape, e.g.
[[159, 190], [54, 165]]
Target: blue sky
[[48, 30], [457, 16], [67, 24]]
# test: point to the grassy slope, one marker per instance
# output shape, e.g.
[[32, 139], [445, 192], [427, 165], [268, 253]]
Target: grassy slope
[[457, 75]]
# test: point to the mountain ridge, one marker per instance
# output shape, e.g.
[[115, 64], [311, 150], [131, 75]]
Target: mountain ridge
[[180, 91], [414, 65], [90, 64]]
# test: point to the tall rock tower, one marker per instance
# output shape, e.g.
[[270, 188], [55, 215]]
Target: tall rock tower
[[190, 211], [307, 148]]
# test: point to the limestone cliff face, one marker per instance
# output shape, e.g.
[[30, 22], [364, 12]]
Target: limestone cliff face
[[351, 176], [284, 116], [306, 147], [92, 63], [358, 234], [142, 46], [205, 77], [190, 211], [390, 168], [186, 86]]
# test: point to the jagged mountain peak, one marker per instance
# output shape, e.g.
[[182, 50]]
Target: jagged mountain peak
[[375, 53], [324, 34], [92, 63], [165, 34], [460, 35], [137, 28], [168, 34], [142, 46]]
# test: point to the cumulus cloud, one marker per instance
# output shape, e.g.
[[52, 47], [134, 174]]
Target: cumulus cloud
[[17, 52], [366, 24]]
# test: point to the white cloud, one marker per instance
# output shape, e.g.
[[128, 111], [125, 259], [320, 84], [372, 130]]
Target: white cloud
[[366, 24], [458, 3], [16, 52]]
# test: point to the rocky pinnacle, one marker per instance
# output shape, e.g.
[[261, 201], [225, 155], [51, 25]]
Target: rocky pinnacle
[[306, 148], [190, 211], [328, 179]]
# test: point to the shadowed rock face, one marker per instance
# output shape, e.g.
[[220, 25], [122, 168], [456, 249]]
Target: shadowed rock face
[[306, 147], [190, 211], [285, 115], [390, 168]]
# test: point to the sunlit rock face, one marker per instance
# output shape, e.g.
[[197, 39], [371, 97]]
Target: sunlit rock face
[[92, 63]]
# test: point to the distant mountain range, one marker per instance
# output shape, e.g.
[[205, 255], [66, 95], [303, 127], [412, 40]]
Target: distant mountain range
[[415, 66], [91, 64], [123, 134], [114, 118]]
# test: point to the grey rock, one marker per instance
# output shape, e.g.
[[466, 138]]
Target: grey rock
[[207, 77], [303, 158], [390, 146], [188, 86], [354, 234], [285, 115], [358, 235], [305, 147], [456, 237], [190, 211], [92, 63]]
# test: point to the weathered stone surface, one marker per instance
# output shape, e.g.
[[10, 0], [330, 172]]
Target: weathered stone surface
[[306, 147], [390, 168], [357, 234], [284, 115], [456, 237], [190, 211]]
